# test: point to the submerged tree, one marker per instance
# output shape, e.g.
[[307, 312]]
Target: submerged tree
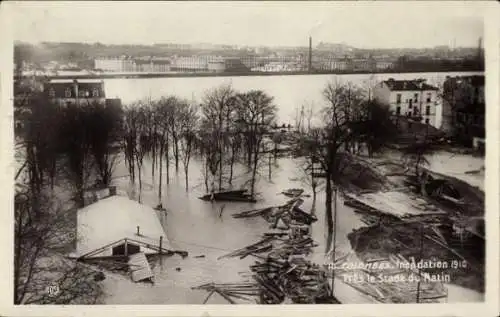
[[105, 124], [130, 138], [217, 113], [75, 140], [257, 114], [329, 144], [374, 127], [189, 123]]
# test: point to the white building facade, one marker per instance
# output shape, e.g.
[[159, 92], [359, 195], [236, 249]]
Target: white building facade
[[410, 98]]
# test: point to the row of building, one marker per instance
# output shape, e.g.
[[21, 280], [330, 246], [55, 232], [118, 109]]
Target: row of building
[[352, 64], [125, 64], [211, 64]]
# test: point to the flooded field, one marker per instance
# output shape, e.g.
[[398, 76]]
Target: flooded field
[[199, 227]]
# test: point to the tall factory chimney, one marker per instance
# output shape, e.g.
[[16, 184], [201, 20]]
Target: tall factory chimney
[[310, 54]]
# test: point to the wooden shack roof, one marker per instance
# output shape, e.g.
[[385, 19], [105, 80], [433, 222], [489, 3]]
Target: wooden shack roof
[[115, 218]]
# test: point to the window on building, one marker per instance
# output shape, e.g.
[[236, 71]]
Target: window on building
[[427, 121], [415, 97], [52, 93], [82, 93], [398, 98], [428, 110], [429, 97], [67, 93], [95, 92], [398, 110], [410, 103]]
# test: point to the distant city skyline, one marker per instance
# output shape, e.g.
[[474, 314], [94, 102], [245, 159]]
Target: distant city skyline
[[366, 25]]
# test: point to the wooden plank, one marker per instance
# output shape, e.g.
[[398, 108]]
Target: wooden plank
[[139, 267]]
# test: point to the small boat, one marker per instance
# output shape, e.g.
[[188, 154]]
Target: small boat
[[232, 195], [293, 192]]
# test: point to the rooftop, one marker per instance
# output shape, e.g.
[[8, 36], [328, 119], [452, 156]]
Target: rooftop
[[402, 85], [114, 218], [70, 81]]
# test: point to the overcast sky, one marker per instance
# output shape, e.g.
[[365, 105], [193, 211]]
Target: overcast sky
[[361, 24]]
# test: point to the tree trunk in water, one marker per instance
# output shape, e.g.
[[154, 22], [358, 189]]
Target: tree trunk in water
[[167, 159], [328, 209], [269, 166], [233, 156], [161, 175], [176, 152], [220, 166], [334, 235], [140, 181], [231, 171], [206, 174], [254, 173], [186, 172], [153, 161]]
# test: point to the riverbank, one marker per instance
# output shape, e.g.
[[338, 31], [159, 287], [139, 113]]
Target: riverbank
[[132, 75]]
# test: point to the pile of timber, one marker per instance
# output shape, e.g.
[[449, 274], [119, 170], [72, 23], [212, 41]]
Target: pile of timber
[[283, 273], [231, 291], [399, 284], [294, 278], [230, 195], [281, 217]]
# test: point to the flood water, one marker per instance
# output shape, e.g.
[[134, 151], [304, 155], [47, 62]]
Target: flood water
[[289, 91], [196, 226]]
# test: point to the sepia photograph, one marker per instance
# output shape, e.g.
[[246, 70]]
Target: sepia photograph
[[217, 153]]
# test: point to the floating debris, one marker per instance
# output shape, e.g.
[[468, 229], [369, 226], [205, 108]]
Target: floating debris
[[232, 195], [293, 192]]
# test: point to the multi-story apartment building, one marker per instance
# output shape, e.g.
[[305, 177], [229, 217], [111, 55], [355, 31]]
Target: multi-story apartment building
[[81, 91], [337, 64], [364, 64], [464, 108], [189, 63], [411, 98], [115, 64], [384, 65]]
